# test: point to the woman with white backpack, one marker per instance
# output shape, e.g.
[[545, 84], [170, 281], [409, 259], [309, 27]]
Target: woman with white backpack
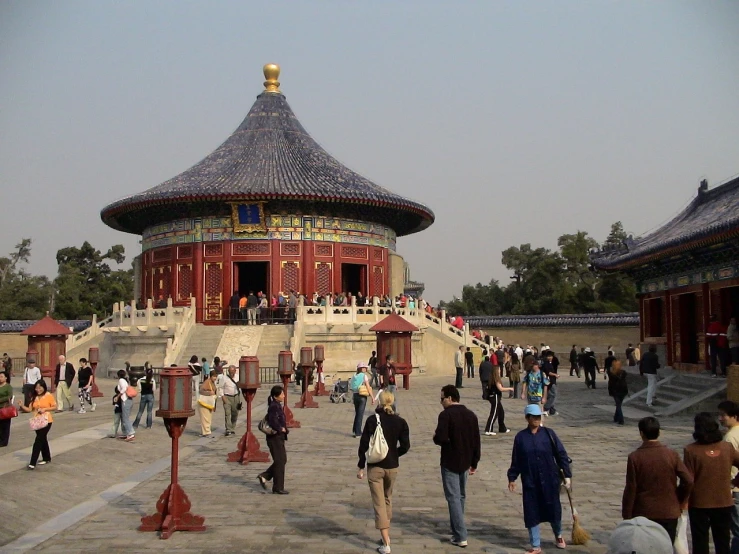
[[362, 390], [385, 438]]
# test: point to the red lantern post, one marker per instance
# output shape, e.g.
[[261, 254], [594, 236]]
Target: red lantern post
[[306, 363], [319, 357], [248, 448], [93, 356], [175, 406], [285, 369]]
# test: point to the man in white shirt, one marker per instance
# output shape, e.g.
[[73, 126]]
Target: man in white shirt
[[519, 352], [459, 365], [231, 399], [31, 376]]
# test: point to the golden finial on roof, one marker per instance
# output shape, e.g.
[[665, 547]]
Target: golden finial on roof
[[271, 74]]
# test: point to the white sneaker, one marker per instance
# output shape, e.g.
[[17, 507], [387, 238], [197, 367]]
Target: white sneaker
[[384, 549], [462, 544], [93, 407], [545, 413], [489, 433], [82, 411]]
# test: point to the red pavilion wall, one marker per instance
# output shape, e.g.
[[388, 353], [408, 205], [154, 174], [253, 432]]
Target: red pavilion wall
[[206, 270]]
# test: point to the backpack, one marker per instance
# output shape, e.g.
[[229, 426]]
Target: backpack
[[378, 447]]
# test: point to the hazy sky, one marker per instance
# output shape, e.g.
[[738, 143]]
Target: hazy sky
[[514, 121]]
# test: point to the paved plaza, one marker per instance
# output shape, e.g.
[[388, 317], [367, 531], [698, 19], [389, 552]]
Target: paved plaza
[[93, 494]]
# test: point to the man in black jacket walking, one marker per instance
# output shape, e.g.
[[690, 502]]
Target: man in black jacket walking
[[458, 434], [574, 367]]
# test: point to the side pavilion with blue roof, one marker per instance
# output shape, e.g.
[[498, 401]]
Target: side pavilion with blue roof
[[686, 271]]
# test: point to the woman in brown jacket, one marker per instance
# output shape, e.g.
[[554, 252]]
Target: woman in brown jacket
[[709, 459]]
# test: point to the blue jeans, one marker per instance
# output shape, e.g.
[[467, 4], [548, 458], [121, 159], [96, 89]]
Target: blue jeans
[[360, 402], [147, 401], [393, 389], [535, 535], [454, 491], [126, 416]]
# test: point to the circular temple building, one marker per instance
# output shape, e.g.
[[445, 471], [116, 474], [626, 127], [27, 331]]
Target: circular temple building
[[269, 210]]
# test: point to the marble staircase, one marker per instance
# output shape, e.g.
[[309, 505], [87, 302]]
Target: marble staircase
[[203, 341]]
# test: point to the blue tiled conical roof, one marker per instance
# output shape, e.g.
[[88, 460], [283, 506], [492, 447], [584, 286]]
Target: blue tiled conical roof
[[270, 157]]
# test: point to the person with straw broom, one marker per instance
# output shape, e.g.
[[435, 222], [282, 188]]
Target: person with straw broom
[[541, 461]]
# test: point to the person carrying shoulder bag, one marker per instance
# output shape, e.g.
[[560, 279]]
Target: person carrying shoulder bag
[[362, 390]]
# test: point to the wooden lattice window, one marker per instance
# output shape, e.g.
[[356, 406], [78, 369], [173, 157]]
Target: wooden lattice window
[[214, 250], [162, 254], [323, 278], [290, 276], [184, 288], [251, 249], [354, 252], [290, 249], [184, 252], [377, 255], [324, 250], [213, 276], [378, 281]]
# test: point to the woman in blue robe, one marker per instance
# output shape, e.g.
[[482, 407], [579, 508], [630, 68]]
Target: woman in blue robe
[[535, 461]]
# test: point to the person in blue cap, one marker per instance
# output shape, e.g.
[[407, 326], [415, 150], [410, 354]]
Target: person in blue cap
[[541, 460]]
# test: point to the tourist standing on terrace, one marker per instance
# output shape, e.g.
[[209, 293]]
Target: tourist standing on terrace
[[648, 366], [718, 345]]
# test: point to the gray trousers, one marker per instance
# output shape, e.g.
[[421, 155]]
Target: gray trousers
[[551, 398], [231, 413]]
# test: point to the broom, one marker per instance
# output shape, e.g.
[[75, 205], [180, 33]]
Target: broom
[[579, 535]]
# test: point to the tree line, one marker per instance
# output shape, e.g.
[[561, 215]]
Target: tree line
[[551, 282], [85, 283]]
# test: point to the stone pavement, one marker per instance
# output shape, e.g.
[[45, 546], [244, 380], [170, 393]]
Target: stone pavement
[[329, 509]]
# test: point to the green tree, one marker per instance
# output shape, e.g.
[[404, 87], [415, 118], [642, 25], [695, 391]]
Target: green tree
[[22, 296], [86, 284]]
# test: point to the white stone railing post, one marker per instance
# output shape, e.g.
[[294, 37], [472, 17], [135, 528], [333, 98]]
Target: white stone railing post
[[133, 313], [169, 312], [149, 310], [375, 308]]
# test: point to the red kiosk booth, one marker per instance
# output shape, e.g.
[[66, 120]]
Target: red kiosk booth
[[394, 336], [47, 340]]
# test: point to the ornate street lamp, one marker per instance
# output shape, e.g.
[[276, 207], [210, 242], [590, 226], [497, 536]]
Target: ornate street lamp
[[248, 448], [306, 363], [175, 406], [285, 370], [319, 356]]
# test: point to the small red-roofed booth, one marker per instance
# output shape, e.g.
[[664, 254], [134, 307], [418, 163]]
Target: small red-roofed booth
[[394, 336], [47, 340]]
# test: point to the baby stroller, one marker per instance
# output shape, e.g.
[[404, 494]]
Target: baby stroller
[[339, 392]]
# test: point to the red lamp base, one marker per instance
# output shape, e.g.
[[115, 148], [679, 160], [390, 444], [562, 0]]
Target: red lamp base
[[248, 451], [290, 420], [172, 514], [306, 401], [320, 389]]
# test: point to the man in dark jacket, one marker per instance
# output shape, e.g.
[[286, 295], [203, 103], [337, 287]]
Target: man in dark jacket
[[574, 367], [63, 378], [458, 434], [469, 361], [648, 366], [652, 474], [590, 365], [486, 375]]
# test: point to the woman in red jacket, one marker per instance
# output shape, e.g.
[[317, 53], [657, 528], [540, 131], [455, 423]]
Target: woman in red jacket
[[709, 459]]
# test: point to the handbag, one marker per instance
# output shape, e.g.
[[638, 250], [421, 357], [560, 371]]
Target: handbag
[[265, 427], [208, 401], [9, 412], [131, 392], [39, 421], [378, 447], [363, 390]]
